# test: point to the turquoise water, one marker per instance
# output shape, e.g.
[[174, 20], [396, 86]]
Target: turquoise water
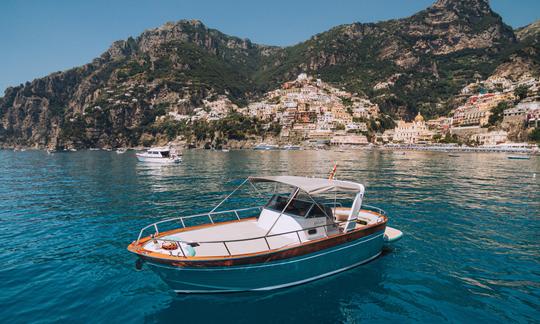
[[471, 251]]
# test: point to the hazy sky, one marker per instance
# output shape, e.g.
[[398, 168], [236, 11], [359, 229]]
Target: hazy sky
[[39, 37]]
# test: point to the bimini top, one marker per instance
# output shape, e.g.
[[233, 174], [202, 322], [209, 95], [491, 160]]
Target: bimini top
[[312, 185], [159, 149]]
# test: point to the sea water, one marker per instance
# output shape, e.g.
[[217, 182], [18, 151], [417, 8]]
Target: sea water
[[470, 251]]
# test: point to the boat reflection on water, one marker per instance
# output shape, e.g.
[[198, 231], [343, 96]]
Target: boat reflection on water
[[337, 293], [160, 177]]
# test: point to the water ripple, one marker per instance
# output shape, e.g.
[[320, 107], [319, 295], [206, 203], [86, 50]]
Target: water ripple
[[470, 252]]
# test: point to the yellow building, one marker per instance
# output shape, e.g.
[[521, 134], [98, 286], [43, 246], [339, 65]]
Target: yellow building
[[414, 132]]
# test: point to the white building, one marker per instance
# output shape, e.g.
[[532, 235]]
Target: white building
[[349, 140], [362, 127], [491, 138]]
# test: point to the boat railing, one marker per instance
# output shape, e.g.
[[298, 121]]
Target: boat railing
[[182, 244], [209, 216], [364, 206], [375, 209]]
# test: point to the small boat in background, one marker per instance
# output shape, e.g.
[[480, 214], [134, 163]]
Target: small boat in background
[[163, 155], [93, 149], [290, 147], [265, 147], [453, 155], [121, 151], [519, 157]]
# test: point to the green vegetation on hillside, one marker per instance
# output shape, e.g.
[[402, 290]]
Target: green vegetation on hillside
[[497, 113]]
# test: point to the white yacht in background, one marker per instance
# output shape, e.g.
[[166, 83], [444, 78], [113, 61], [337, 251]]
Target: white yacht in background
[[121, 150], [163, 155], [519, 157]]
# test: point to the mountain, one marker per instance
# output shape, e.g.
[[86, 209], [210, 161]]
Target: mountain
[[524, 58], [406, 65], [114, 99], [529, 32], [432, 54]]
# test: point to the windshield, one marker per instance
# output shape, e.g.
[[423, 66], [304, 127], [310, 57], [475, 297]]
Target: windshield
[[297, 207]]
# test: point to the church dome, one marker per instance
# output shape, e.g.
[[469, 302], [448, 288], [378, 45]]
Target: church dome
[[419, 118]]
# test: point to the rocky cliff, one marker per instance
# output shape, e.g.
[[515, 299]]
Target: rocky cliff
[[406, 65]]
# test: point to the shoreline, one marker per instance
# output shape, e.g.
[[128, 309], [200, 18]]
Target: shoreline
[[392, 147], [464, 149]]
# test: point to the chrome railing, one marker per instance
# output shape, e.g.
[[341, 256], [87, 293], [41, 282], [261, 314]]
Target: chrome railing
[[265, 238], [180, 244], [183, 218], [375, 209]]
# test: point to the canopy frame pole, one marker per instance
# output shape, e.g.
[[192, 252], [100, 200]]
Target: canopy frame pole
[[321, 207], [284, 209], [261, 195], [232, 193], [335, 201]]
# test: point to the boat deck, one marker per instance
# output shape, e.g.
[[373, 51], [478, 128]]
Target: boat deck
[[241, 237], [247, 231]]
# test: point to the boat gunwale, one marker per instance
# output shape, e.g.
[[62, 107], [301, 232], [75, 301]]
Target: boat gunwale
[[137, 246]]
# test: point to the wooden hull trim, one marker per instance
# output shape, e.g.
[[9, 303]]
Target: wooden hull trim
[[279, 262]]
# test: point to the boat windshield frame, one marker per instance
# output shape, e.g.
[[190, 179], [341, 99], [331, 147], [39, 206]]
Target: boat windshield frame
[[297, 207]]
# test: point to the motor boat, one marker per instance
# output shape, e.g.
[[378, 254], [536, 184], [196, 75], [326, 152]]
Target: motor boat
[[290, 147], [519, 157], [302, 233], [121, 150], [265, 147], [163, 155]]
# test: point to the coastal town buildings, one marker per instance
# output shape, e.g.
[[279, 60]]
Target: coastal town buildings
[[440, 125], [491, 138], [525, 113], [477, 110], [414, 132], [310, 108], [348, 139]]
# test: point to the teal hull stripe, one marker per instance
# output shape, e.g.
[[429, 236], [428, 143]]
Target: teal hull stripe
[[283, 285]]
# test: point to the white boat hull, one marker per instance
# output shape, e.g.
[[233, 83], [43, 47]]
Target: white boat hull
[[158, 160]]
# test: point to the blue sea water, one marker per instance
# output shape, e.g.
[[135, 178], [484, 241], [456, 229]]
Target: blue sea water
[[471, 250]]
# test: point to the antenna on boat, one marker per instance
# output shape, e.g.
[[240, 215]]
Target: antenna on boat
[[331, 177], [333, 172]]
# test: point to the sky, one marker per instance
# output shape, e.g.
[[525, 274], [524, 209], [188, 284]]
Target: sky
[[40, 37]]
